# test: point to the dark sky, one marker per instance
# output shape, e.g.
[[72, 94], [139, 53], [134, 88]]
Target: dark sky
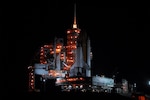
[[119, 36]]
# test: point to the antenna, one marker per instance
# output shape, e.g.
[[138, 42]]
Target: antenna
[[75, 22]]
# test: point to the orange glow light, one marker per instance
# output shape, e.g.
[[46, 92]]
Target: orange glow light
[[58, 50]]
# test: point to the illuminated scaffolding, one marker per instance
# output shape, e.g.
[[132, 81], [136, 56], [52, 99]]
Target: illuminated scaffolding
[[67, 64]]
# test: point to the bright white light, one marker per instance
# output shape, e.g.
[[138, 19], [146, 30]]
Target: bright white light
[[148, 82], [44, 80]]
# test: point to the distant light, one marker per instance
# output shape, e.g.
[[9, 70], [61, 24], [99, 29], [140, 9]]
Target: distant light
[[148, 82], [44, 80], [134, 84]]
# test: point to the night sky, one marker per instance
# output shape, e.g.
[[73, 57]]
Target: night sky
[[119, 37]]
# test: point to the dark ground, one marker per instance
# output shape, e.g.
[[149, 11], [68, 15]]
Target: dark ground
[[72, 95]]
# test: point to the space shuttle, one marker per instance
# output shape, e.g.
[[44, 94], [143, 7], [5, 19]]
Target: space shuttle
[[82, 65]]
